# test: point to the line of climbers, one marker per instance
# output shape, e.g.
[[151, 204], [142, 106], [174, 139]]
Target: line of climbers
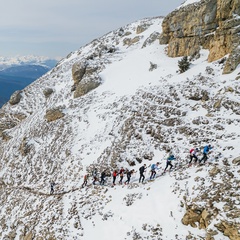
[[142, 170], [193, 155], [115, 173]]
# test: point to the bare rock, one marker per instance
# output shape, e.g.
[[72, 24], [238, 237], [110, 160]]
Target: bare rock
[[228, 230], [15, 98], [85, 78], [210, 24], [214, 171], [196, 216], [131, 41], [236, 161], [54, 114], [152, 38], [28, 236], [47, 92], [78, 71], [141, 28], [84, 87], [191, 217], [197, 96]]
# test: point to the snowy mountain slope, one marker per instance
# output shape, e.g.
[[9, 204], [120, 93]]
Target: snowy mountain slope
[[187, 2], [135, 116]]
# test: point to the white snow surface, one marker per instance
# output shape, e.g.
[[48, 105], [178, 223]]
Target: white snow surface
[[187, 2], [92, 131]]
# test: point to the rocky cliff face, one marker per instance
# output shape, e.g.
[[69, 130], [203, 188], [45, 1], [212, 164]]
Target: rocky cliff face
[[208, 24]]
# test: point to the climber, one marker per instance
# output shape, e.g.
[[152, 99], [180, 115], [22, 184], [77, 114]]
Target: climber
[[193, 155], [115, 173], [103, 175], [121, 173], [94, 174], [154, 167], [85, 179], [52, 184], [129, 174], [141, 171], [206, 150], [169, 162]]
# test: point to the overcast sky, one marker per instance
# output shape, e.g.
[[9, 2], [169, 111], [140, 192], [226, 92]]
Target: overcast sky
[[55, 28]]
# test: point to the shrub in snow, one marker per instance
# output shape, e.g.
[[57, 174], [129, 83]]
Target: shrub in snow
[[130, 198], [152, 66], [183, 64], [209, 70]]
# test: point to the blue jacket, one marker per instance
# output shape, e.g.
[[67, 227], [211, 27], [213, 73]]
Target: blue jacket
[[154, 167], [171, 157], [206, 149]]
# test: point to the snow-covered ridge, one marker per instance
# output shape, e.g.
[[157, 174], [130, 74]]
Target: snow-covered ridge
[[187, 2], [142, 109]]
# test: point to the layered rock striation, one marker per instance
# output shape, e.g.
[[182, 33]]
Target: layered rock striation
[[208, 24]]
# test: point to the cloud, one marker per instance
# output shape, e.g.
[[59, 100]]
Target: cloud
[[72, 21]]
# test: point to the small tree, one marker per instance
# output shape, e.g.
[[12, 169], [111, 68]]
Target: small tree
[[183, 64]]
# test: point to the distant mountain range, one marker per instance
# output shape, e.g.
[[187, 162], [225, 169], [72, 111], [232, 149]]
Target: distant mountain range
[[17, 73], [6, 62]]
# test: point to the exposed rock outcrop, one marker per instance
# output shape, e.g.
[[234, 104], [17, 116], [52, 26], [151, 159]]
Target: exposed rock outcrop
[[85, 87], [228, 230], [236, 161], [142, 27], [153, 37], [85, 78], [47, 92], [78, 71], [54, 114], [15, 98], [211, 24], [131, 41], [196, 216], [202, 215]]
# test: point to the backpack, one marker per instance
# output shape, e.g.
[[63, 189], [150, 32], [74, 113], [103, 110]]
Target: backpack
[[153, 167], [191, 150], [171, 157]]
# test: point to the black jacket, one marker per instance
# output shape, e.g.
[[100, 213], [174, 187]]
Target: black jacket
[[142, 169]]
